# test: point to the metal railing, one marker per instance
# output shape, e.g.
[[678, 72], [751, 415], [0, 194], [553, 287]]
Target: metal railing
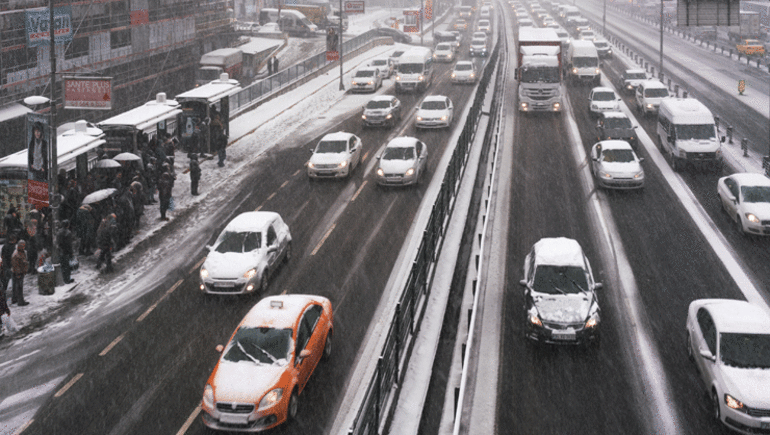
[[388, 375]]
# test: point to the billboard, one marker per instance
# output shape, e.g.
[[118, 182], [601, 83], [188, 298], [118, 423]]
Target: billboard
[[36, 22], [38, 154], [88, 93], [354, 7], [708, 13], [332, 45]]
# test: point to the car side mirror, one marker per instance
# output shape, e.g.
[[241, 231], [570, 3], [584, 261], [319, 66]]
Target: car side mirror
[[272, 248], [708, 355], [722, 139], [220, 348], [523, 283], [641, 159], [598, 285], [302, 355]]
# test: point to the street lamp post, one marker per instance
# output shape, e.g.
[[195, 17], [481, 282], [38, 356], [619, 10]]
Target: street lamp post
[[339, 45]]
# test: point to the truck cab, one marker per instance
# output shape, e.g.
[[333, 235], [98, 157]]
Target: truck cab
[[751, 47]]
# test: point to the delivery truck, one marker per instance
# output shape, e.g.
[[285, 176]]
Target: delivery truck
[[539, 70], [214, 63]]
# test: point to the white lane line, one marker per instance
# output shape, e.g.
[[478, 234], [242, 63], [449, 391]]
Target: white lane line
[[189, 421], [358, 191]]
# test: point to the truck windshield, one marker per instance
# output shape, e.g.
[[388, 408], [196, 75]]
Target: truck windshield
[[585, 62], [656, 93], [410, 68], [208, 74], [697, 131], [540, 74]]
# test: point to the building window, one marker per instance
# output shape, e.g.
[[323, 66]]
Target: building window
[[120, 38], [119, 15], [79, 47], [19, 59]]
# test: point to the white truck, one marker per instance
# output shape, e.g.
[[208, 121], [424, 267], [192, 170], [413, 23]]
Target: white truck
[[687, 133], [415, 70], [583, 63], [539, 70], [214, 63]]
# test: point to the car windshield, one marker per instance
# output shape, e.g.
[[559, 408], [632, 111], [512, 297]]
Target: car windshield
[[618, 156], [584, 62], [365, 73], [378, 104], [697, 131], [560, 280], [443, 47], [615, 123], [398, 153], [635, 76], [478, 43], [331, 146], [382, 62], [599, 44], [262, 345], [745, 350], [603, 96], [463, 67], [410, 68], [433, 105], [238, 242], [540, 74], [656, 93], [397, 53], [756, 193]]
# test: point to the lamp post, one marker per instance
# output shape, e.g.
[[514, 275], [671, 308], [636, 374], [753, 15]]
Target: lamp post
[[339, 45]]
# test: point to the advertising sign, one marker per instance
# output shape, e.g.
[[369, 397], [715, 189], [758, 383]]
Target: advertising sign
[[332, 45], [429, 10], [88, 93], [37, 25], [354, 7], [412, 20], [38, 153]]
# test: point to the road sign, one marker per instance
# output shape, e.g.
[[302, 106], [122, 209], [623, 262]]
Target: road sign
[[354, 7]]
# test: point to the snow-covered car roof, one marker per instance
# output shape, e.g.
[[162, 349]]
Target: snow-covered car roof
[[652, 84], [636, 71], [464, 62], [267, 311], [441, 98], [252, 220], [615, 145], [559, 251], [602, 89], [383, 98], [751, 179], [383, 61], [614, 114], [443, 46], [340, 135], [402, 142], [731, 315], [367, 69]]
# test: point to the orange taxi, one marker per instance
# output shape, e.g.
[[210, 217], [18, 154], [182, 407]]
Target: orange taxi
[[267, 363]]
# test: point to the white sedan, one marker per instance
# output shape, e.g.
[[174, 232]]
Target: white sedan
[[615, 165], [746, 199], [729, 342], [366, 79], [402, 162], [335, 156], [385, 67], [246, 254], [602, 99], [434, 111], [464, 72]]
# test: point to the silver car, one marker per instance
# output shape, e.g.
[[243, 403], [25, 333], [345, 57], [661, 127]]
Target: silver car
[[382, 110], [402, 162], [615, 165], [335, 156]]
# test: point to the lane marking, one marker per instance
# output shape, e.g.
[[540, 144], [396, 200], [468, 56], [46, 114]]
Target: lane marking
[[272, 195], [296, 172], [284, 184], [260, 207], [68, 385], [189, 421], [152, 307], [323, 239], [113, 344], [284, 291], [197, 265], [24, 427], [358, 191], [366, 154]]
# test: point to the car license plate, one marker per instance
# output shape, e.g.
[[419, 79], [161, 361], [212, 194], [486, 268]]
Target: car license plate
[[564, 335], [226, 284], [234, 419]]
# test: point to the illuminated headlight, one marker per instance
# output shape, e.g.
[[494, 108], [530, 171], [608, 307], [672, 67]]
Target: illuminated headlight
[[524, 106], [251, 273], [649, 106], [435, 56], [629, 87], [204, 273], [398, 78], [310, 165], [388, 116], [362, 117], [419, 118], [639, 174], [752, 218], [534, 319], [454, 75], [605, 175], [444, 118], [574, 70], [354, 83], [556, 106], [597, 71], [380, 172], [473, 75], [409, 172], [271, 398], [343, 164], [371, 82], [734, 403], [208, 396], [609, 51], [592, 321], [421, 78]]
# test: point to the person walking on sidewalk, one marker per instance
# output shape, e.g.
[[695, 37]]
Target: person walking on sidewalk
[[5, 255], [64, 240], [165, 184], [195, 174], [219, 138], [104, 240], [19, 266]]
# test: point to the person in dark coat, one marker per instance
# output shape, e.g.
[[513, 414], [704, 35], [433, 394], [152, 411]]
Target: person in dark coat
[[85, 224], [125, 218], [165, 185], [136, 192], [104, 240], [195, 174], [19, 266], [3, 310], [5, 255], [12, 223], [219, 138], [65, 242], [33, 244]]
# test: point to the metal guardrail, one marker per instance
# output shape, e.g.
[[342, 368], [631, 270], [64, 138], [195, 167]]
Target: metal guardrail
[[389, 374]]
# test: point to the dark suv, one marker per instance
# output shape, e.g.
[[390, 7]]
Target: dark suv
[[616, 125]]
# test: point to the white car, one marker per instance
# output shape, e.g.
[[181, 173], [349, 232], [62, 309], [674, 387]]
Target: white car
[[385, 67], [729, 343], [444, 52], [246, 253], [478, 47], [382, 110], [587, 35], [615, 165], [746, 199], [366, 79], [479, 35], [464, 72], [603, 99], [335, 156], [560, 294], [402, 162], [434, 111], [484, 26]]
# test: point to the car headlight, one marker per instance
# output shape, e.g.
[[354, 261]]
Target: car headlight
[[354, 83], [398, 78], [473, 75], [594, 107], [751, 217], [310, 165], [556, 106], [380, 172], [204, 273], [534, 318], [597, 71], [605, 175], [649, 105], [271, 398], [574, 70], [629, 87], [362, 117], [734, 403], [444, 118], [343, 163], [371, 82], [419, 118], [454, 75], [251, 273], [592, 321], [639, 174], [421, 78], [409, 172], [388, 116], [208, 396]]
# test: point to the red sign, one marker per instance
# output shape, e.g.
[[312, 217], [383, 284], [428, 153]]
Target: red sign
[[88, 93], [411, 20], [142, 16], [428, 10], [354, 7], [332, 56]]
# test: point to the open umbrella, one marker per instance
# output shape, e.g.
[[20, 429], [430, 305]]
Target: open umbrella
[[107, 163], [126, 157], [98, 195]]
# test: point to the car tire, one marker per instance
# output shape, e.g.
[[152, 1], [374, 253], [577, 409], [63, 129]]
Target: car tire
[[715, 406], [327, 352], [690, 355], [291, 411], [287, 254], [263, 282]]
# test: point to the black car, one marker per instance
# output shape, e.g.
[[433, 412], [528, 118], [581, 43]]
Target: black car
[[397, 35], [616, 125]]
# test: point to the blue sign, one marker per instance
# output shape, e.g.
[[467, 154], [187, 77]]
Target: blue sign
[[37, 25]]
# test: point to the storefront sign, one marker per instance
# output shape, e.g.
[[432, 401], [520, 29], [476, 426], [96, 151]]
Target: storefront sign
[[37, 25], [88, 93]]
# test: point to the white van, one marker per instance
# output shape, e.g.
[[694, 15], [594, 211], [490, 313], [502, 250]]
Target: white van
[[415, 70], [583, 62], [649, 94], [686, 132], [485, 12]]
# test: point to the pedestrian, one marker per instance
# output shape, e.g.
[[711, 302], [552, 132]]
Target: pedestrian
[[12, 223], [3, 310], [165, 185], [64, 240], [219, 138], [33, 244], [5, 257], [104, 240], [195, 174], [275, 64], [126, 218], [19, 266], [84, 225]]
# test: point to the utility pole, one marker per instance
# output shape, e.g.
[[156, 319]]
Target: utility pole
[[53, 174], [339, 44], [660, 67]]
